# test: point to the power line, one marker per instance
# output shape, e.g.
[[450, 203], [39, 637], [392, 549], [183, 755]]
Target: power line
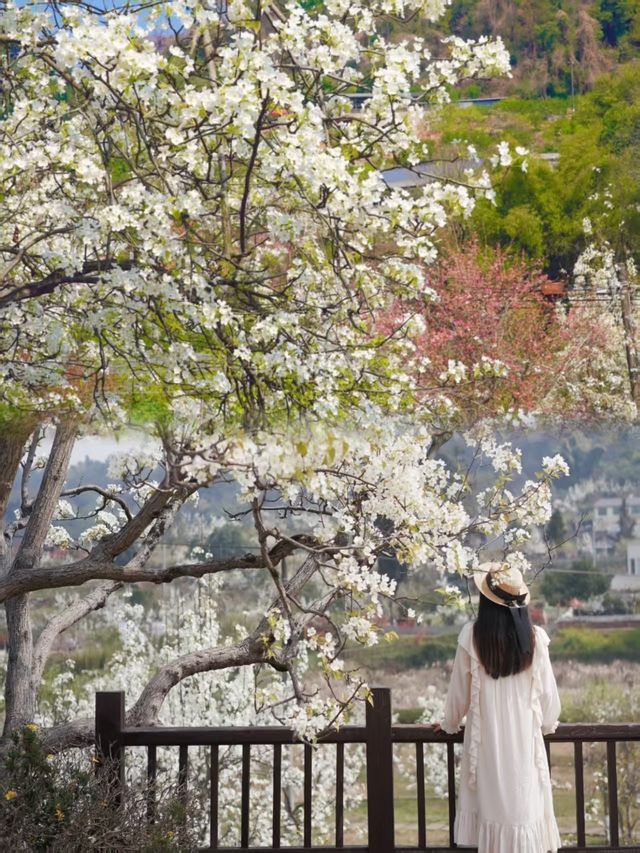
[[571, 572]]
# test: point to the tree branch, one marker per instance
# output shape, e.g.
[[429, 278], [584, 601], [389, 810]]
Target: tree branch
[[88, 275], [66, 618], [118, 542], [249, 651], [108, 496], [11, 449], [146, 709], [27, 468], [44, 506], [247, 177], [77, 733], [99, 568]]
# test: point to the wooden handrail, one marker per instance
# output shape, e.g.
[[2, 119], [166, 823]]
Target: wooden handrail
[[378, 735], [400, 733]]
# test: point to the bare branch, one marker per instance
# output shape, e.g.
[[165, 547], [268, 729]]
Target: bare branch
[[98, 568], [77, 733], [11, 448], [249, 651], [46, 501], [27, 469], [66, 618], [33, 289], [146, 709], [105, 493], [129, 534]]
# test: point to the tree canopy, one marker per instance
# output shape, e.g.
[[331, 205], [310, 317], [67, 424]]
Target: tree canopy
[[196, 238]]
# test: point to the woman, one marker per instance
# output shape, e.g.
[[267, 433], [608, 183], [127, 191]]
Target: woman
[[503, 681]]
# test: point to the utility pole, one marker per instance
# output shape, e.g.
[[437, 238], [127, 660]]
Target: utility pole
[[629, 329], [573, 93]]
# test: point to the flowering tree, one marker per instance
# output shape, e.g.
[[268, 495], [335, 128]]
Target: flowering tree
[[606, 285], [195, 237], [497, 347]]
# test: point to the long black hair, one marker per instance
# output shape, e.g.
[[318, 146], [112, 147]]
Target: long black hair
[[496, 640]]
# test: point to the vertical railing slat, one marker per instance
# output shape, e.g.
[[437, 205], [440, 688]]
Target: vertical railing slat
[[183, 767], [277, 794], [108, 732], [612, 777], [451, 784], [422, 827], [246, 787], [380, 812], [151, 783], [579, 775], [308, 793], [213, 802], [339, 795]]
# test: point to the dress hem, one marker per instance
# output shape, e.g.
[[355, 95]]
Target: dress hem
[[492, 837]]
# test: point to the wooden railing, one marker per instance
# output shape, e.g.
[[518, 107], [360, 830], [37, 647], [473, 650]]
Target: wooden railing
[[378, 735]]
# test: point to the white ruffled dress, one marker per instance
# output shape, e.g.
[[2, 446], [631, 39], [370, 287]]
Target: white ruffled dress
[[505, 803]]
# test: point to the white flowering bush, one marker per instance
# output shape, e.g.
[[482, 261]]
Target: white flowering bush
[[602, 702], [228, 697], [605, 286]]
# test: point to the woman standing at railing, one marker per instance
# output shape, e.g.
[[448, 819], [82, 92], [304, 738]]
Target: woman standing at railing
[[503, 681]]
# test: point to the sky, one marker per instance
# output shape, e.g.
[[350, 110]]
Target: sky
[[100, 447]]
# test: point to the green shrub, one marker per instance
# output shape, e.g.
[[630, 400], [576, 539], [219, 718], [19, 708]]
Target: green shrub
[[409, 715], [407, 652], [596, 646], [58, 804]]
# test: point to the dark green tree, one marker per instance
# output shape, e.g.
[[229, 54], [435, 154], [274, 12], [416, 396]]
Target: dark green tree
[[616, 18], [556, 530], [584, 582]]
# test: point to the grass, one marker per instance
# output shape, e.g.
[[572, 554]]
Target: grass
[[437, 809]]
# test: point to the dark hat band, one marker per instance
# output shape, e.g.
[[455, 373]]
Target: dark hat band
[[509, 599]]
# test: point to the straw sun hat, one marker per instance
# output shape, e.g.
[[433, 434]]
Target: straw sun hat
[[502, 584]]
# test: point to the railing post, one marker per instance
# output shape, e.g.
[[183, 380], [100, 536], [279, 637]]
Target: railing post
[[109, 749], [612, 786], [380, 772]]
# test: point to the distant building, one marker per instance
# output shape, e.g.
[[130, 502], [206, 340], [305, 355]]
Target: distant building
[[613, 518], [629, 582], [633, 557], [604, 544], [606, 516]]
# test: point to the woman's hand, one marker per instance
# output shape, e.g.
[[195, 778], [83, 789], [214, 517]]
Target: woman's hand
[[436, 727]]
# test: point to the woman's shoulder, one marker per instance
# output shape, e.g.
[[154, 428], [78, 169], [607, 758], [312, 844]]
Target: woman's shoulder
[[467, 628], [465, 638], [541, 635]]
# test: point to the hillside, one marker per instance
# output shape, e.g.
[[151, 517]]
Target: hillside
[[557, 46]]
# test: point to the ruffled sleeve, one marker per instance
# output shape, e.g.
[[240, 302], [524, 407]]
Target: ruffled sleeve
[[546, 701], [459, 693], [474, 727]]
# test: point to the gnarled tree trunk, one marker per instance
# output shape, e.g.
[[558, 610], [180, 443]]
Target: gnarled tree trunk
[[20, 689]]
